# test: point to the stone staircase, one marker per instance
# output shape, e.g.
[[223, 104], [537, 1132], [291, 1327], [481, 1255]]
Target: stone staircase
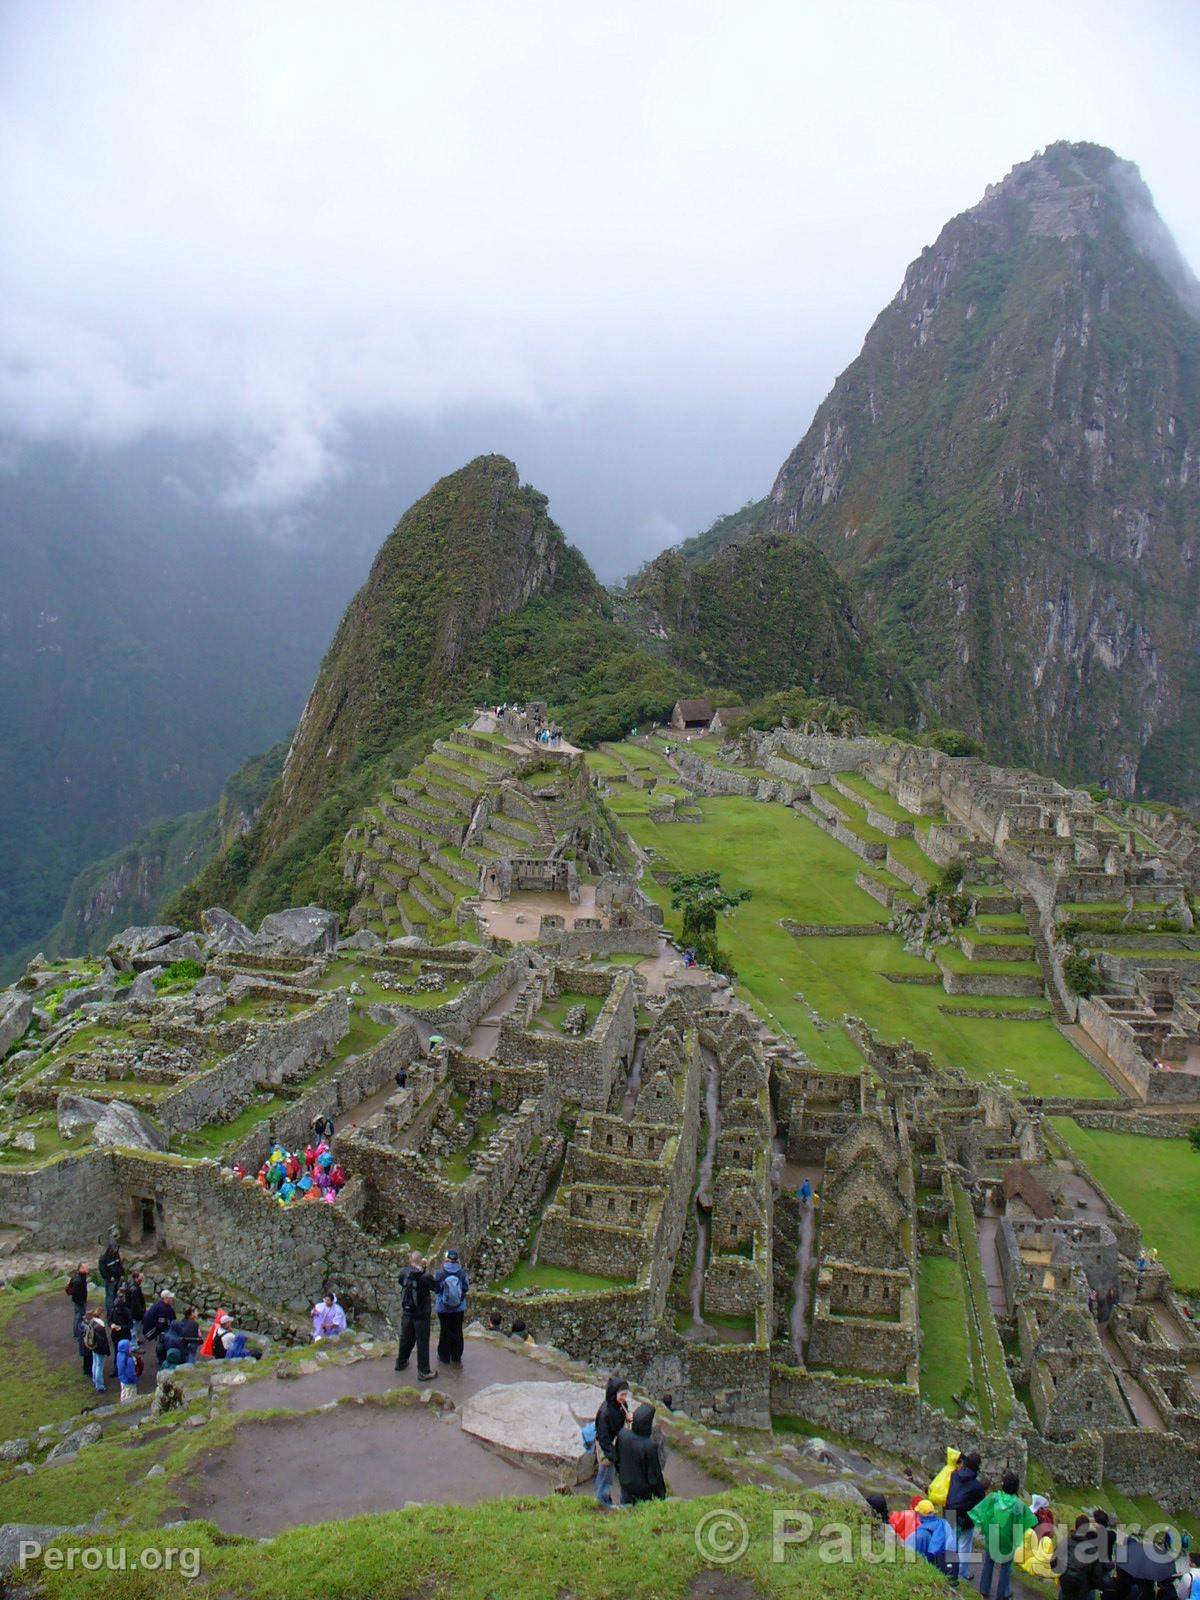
[[1045, 958]]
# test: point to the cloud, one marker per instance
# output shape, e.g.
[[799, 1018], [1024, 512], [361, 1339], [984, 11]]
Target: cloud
[[262, 223]]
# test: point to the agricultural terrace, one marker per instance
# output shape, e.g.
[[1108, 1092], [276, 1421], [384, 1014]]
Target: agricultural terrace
[[1157, 1181], [797, 871]]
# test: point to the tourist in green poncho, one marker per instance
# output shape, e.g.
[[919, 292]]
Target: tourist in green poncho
[[1002, 1519]]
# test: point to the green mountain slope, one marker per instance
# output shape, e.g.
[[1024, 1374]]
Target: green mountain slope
[[1008, 476], [726, 530], [767, 613], [475, 597]]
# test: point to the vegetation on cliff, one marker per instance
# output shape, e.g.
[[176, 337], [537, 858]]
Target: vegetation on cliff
[[1006, 475], [764, 614]]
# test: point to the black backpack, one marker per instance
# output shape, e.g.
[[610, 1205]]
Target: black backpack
[[409, 1301]]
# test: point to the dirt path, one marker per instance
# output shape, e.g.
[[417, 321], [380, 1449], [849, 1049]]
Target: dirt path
[[485, 1036], [343, 1462], [800, 1284], [989, 1257], [1144, 1411]]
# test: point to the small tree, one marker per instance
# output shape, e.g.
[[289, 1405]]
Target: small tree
[[700, 897], [1081, 974], [1194, 1137]]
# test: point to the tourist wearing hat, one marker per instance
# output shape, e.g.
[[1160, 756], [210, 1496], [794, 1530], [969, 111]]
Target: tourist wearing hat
[[452, 1285]]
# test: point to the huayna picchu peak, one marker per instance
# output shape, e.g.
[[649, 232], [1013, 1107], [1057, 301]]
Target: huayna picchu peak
[[1008, 477]]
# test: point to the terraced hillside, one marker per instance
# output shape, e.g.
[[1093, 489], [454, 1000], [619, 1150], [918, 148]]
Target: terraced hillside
[[474, 800]]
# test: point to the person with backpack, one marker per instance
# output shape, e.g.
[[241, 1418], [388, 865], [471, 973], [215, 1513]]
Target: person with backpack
[[127, 1367], [158, 1319], [1002, 1518], [452, 1285], [95, 1338], [610, 1420], [416, 1307], [112, 1270], [639, 1459], [77, 1289], [1083, 1567]]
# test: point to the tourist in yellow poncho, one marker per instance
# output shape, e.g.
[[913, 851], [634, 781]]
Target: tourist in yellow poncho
[[1036, 1555], [940, 1487]]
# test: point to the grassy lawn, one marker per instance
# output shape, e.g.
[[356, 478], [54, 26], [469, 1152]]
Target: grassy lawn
[[522, 1547], [1157, 1181], [945, 1350], [796, 870], [544, 1276], [552, 1013]]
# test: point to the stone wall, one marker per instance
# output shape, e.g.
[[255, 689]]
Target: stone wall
[[456, 1019], [584, 1069], [72, 1200], [231, 1229], [345, 1089], [891, 1416], [280, 1053]]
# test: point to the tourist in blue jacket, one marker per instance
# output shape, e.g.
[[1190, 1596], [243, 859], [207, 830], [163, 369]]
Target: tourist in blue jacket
[[930, 1536], [126, 1370]]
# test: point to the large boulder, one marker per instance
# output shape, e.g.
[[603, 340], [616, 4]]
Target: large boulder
[[112, 1122], [364, 939], [142, 990], [76, 1112], [302, 931], [88, 994], [16, 1013], [536, 1425], [223, 932], [138, 942], [186, 948], [16, 1538]]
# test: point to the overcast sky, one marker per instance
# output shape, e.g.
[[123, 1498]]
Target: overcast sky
[[596, 231]]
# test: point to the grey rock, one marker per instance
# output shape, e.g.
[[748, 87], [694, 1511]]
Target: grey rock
[[157, 1471], [14, 1450], [408, 942], [124, 1126], [24, 1139], [300, 931], [142, 990], [138, 942], [86, 995], [223, 931], [185, 948], [74, 1442], [77, 1112], [208, 988], [14, 1534], [16, 1013], [841, 1491], [364, 939]]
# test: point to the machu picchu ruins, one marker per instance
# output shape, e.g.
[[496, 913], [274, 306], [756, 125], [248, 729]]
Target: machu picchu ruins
[[762, 1212], [632, 1030]]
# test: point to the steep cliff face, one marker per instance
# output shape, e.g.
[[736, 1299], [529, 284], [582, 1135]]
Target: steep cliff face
[[135, 883], [768, 613], [1009, 475], [475, 549]]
